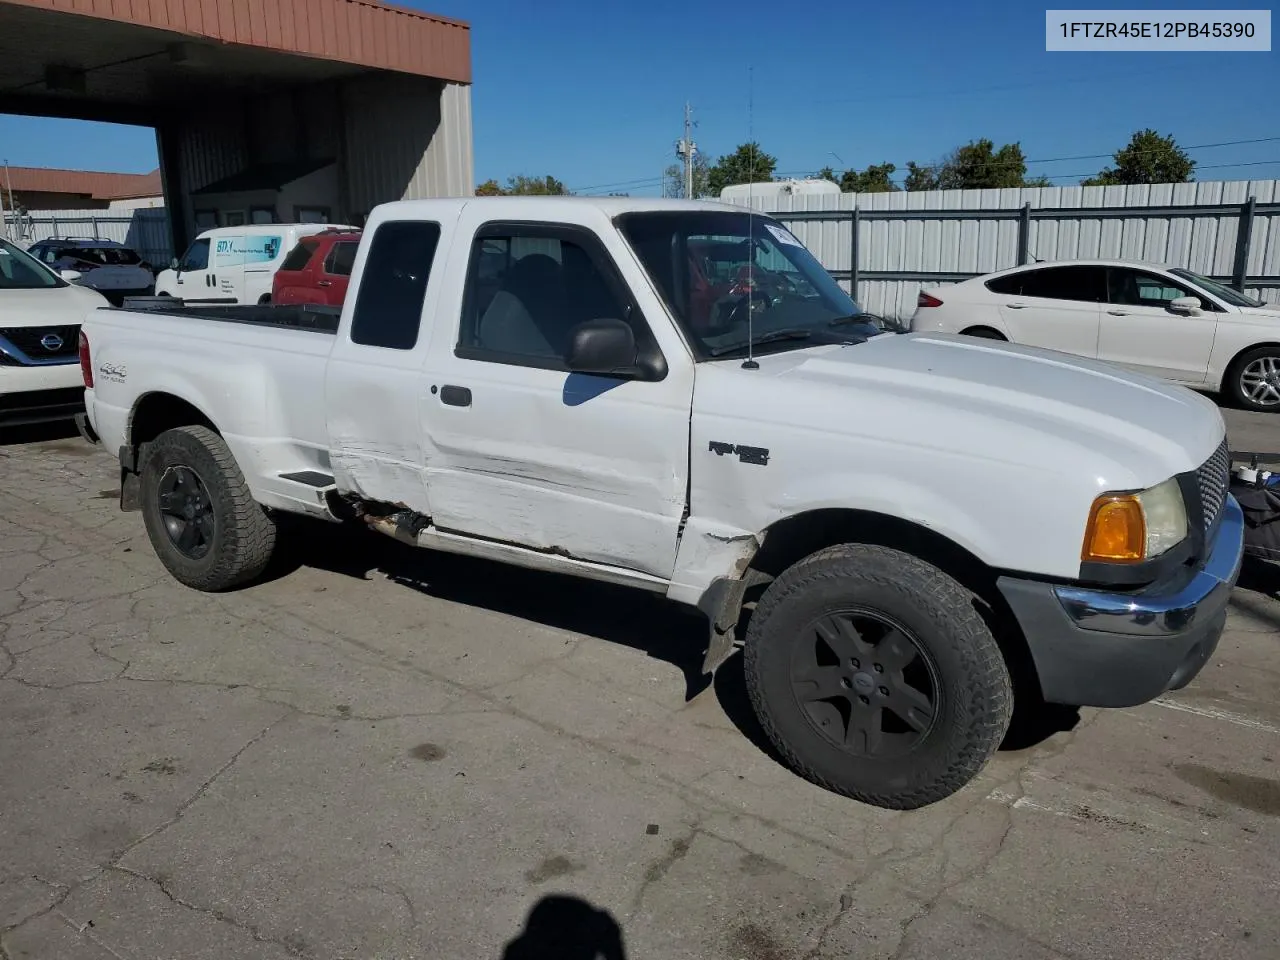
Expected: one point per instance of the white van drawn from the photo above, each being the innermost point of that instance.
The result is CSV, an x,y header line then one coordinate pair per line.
x,y
233,264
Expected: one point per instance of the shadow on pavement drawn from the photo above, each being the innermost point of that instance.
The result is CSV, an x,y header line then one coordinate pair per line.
x,y
646,622
41,433
643,621
562,927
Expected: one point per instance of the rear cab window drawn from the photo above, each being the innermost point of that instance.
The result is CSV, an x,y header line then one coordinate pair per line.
x,y
389,301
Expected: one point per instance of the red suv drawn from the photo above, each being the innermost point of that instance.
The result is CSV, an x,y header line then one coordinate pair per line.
x,y
317,270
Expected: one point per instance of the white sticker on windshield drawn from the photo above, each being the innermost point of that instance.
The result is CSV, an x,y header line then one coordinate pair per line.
x,y
782,236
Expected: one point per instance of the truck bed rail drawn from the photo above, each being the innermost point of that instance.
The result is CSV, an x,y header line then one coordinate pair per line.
x,y
313,317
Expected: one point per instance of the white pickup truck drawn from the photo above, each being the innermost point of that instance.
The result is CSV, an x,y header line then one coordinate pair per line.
x,y
907,532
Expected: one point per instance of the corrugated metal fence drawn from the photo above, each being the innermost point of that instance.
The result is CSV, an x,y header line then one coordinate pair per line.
x,y
145,230
895,244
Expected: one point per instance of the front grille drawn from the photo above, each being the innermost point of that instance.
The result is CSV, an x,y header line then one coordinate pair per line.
x,y
1212,478
28,340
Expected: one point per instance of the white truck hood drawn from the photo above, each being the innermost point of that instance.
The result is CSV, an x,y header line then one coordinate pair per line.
x,y
48,307
1033,408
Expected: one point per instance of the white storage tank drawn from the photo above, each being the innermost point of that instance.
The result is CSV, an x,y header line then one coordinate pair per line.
x,y
780,188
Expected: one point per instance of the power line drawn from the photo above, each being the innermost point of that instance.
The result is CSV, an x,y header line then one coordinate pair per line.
x,y
1003,164
952,92
998,164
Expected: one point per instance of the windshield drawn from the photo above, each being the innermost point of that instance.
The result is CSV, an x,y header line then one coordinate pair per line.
x,y
724,274
1233,297
20,271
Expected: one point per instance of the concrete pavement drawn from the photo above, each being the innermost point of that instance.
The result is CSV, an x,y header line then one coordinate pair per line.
x,y
385,753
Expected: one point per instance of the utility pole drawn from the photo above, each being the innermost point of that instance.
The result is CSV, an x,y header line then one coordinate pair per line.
x,y
4,220
686,149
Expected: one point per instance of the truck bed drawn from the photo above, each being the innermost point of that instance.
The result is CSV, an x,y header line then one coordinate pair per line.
x,y
313,317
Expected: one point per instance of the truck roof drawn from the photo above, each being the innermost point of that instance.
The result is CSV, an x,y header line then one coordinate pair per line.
x,y
548,205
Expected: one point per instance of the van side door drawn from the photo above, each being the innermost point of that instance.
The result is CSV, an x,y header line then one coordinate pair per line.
x,y
225,279
263,254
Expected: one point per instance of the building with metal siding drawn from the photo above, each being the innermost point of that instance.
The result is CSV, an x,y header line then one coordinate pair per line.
x,y
365,102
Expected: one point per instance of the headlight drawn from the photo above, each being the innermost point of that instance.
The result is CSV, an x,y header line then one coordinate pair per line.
x,y
1132,527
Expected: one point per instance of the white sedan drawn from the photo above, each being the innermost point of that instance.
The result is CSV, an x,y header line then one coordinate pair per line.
x,y
40,315
1158,320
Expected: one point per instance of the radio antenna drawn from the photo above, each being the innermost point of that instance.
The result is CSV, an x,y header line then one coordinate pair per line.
x,y
750,363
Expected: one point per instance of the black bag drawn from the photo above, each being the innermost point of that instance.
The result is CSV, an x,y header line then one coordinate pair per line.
x,y
1260,503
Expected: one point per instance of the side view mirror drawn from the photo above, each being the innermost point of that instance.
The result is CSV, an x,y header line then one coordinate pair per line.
x,y
71,276
1186,305
173,263
603,347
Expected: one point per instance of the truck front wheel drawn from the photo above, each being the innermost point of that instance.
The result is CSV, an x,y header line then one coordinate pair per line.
x,y
201,518
874,676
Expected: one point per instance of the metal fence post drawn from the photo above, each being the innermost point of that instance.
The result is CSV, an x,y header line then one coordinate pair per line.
x,y
95,229
853,253
1244,234
1024,234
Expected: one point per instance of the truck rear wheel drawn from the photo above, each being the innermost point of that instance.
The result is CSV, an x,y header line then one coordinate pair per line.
x,y
874,676
203,522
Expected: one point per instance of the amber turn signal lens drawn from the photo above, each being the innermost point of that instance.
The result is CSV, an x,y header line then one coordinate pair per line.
x,y
1117,531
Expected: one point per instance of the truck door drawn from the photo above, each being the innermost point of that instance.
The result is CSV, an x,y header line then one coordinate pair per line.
x,y
375,389
518,449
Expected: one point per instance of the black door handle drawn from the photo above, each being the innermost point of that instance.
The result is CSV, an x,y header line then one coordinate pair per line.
x,y
455,396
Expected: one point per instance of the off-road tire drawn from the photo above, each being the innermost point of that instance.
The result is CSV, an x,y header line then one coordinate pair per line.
x,y
975,694
244,536
1235,389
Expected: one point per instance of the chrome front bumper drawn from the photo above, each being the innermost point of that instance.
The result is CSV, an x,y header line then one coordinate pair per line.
x,y
1106,648
1166,613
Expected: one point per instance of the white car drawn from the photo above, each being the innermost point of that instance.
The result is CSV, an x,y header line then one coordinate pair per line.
x,y
111,268
1158,320
552,382
234,264
40,315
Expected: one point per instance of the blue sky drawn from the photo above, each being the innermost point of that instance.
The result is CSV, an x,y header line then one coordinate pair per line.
x,y
593,92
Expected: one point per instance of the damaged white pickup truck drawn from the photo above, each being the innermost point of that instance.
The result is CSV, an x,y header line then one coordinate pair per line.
x,y
906,531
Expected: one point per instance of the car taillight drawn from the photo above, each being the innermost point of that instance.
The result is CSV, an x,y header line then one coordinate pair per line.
x,y
86,361
925,300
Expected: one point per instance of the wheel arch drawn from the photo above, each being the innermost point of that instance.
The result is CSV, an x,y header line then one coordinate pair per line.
x,y
984,330
790,539
1232,365
156,411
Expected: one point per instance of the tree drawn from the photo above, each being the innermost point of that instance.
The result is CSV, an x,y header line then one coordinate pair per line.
x,y
523,186
976,165
1149,158
877,178
747,164
921,177
673,179
535,186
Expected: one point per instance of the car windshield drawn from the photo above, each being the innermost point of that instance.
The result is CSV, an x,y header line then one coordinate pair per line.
x,y
20,271
736,280
1233,297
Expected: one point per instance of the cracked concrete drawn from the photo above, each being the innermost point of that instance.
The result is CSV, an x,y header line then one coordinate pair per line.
x,y
382,753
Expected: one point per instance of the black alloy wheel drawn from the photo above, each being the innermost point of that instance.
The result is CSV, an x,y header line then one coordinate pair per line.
x,y
865,683
186,511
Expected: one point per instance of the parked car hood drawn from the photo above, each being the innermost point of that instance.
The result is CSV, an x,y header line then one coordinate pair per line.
x,y
49,306
1034,409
